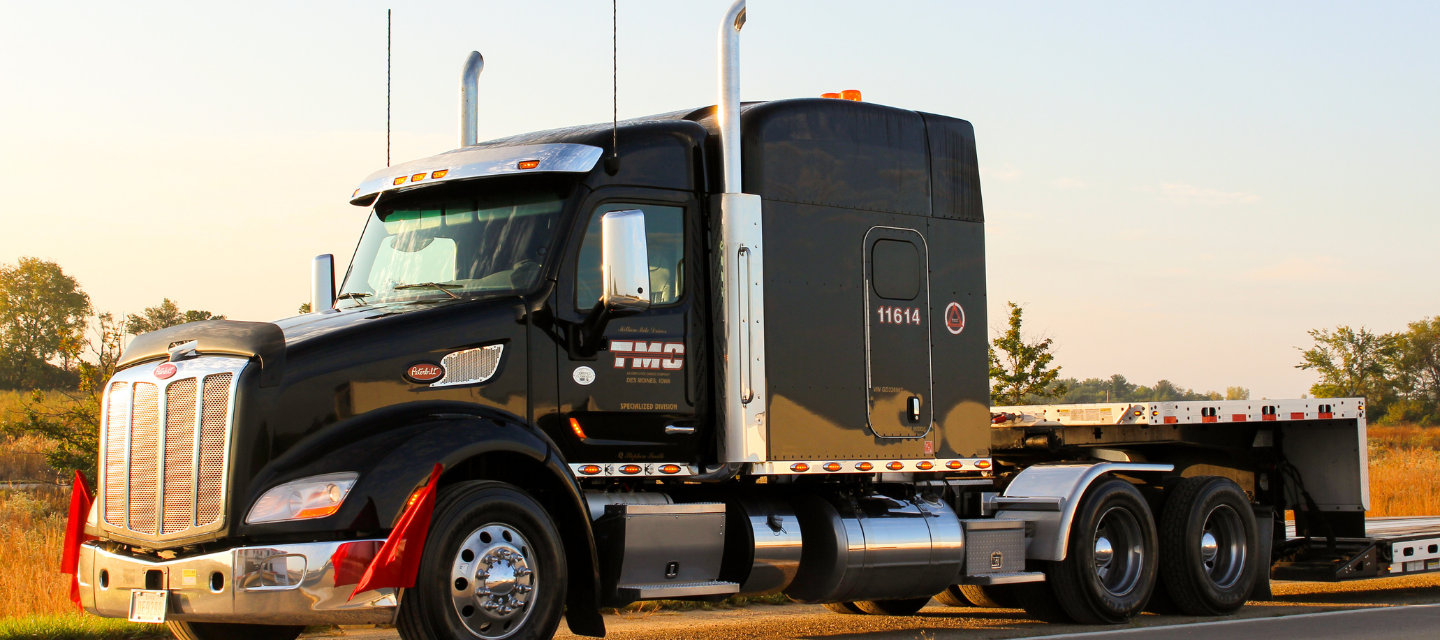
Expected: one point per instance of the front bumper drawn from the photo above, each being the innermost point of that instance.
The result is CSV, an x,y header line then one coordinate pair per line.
x,y
290,584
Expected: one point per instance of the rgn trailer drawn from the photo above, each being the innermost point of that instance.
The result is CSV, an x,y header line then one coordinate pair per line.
x,y
740,350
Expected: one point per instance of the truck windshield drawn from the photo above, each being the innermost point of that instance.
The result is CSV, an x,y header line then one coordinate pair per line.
x,y
454,246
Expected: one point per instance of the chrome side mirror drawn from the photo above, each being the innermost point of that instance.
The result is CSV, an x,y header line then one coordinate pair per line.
x,y
322,283
624,261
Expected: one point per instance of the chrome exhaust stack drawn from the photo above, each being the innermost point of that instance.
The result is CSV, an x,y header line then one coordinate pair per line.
x,y
469,94
742,342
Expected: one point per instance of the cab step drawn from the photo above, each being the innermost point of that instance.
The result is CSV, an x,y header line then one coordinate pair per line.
x,y
678,590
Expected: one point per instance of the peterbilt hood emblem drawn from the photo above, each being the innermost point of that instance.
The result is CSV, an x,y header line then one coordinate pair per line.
x,y
165,370
424,372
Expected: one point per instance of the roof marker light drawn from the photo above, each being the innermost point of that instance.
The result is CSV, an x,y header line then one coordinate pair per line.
x,y
850,94
417,177
832,96
528,164
436,175
399,181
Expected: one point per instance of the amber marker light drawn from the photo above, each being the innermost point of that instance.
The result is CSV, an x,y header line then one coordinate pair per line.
x,y
925,465
864,466
324,511
832,466
983,464
575,426
399,181
417,177
670,469
528,164
590,469
850,94
630,469
799,467
357,192
953,464
439,174
894,466
832,96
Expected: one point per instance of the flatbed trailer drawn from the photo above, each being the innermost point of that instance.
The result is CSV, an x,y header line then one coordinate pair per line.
x,y
1308,456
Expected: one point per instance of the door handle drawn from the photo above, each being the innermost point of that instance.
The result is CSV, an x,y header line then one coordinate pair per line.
x,y
913,404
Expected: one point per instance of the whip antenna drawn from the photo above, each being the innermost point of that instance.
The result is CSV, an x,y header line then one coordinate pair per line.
x,y
612,164
387,87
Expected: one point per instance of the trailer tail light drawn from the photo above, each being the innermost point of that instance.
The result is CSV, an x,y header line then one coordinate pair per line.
x,y
894,466
832,466
864,466
575,426
982,464
590,469
953,464
630,469
528,164
670,469
417,177
799,467
436,175
925,465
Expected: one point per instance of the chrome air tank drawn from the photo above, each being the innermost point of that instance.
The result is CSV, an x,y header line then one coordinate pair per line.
x,y
874,547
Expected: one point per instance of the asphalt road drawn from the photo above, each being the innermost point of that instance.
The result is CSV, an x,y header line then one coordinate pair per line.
x,y
1392,609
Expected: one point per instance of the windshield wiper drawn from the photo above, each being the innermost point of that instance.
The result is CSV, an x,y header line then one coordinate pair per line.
x,y
353,295
445,287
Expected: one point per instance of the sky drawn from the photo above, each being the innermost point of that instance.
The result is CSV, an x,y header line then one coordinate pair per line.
x,y
1175,191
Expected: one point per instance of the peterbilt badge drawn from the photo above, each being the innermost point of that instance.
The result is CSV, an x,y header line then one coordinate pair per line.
x,y
164,371
424,372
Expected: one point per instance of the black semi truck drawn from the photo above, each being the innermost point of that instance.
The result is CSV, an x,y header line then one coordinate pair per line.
x,y
729,350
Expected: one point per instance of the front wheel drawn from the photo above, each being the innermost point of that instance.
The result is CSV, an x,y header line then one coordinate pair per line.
x,y
493,568
1109,570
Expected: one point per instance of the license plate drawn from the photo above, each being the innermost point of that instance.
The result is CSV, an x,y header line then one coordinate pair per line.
x,y
148,606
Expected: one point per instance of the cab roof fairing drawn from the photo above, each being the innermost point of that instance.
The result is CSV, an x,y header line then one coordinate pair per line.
x,y
473,162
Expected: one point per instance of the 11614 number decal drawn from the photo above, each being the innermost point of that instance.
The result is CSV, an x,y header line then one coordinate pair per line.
x,y
899,315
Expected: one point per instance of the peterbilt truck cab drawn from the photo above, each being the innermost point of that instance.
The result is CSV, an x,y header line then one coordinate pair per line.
x,y
733,349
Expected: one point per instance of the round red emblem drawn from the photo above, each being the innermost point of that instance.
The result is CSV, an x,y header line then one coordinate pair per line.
x,y
955,318
164,371
424,372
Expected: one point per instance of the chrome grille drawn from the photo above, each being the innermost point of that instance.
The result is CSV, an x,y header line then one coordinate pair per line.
x,y
470,366
179,456
166,449
144,458
212,447
117,431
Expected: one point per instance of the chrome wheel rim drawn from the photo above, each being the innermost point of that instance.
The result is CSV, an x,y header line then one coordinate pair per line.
x,y
493,581
1119,551
1222,546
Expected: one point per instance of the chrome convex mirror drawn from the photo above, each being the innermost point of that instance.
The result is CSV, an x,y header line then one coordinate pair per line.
x,y
624,261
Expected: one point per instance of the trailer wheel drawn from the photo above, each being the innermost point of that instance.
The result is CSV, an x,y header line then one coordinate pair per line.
x,y
905,607
1207,546
843,608
987,597
1109,571
493,568
185,630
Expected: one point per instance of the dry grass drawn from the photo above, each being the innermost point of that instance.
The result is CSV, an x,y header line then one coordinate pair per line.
x,y
32,531
1404,471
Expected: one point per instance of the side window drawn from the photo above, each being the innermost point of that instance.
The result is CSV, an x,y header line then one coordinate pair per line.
x,y
665,239
895,269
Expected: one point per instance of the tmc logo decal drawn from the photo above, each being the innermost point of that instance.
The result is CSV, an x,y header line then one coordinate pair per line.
x,y
666,356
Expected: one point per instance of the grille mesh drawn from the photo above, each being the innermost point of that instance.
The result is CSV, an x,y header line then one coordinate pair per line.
x,y
212,447
117,428
144,458
179,455
470,365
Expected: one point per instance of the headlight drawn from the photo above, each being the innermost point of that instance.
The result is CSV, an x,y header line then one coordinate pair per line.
x,y
303,499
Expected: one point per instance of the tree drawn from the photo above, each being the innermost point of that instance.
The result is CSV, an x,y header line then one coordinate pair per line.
x,y
304,308
1417,375
165,314
73,424
42,320
1352,363
1237,393
1024,370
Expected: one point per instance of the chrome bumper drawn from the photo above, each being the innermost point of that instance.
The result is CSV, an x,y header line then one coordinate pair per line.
x,y
282,584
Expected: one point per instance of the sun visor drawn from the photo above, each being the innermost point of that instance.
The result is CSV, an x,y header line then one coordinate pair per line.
x,y
461,164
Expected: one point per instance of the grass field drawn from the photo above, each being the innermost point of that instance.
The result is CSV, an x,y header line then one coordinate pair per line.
x,y
34,596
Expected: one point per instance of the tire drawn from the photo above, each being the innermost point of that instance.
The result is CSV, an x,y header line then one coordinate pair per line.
x,y
493,568
1208,546
185,630
905,607
987,597
843,608
1109,572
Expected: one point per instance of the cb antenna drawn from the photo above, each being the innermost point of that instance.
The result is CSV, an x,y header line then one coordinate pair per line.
x,y
612,164
387,87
